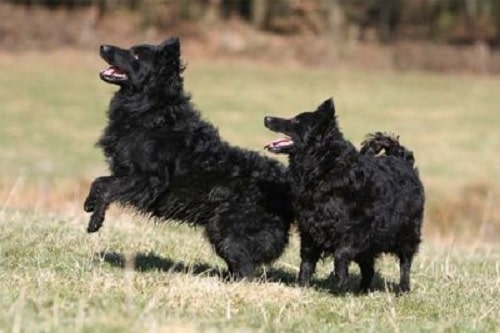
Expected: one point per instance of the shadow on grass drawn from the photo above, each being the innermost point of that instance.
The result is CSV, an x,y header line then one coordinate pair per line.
x,y
144,262
379,284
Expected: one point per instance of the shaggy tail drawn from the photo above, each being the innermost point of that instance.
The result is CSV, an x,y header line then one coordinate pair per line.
x,y
375,142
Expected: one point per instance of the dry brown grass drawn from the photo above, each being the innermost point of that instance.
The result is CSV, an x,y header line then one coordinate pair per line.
x,y
470,213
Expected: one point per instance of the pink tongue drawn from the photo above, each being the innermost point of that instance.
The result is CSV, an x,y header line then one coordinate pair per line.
x,y
280,142
113,70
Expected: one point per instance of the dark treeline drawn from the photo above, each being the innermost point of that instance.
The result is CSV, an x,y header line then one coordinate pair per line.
x,y
453,21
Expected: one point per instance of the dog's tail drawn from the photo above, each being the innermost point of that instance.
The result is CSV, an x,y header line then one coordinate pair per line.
x,y
375,142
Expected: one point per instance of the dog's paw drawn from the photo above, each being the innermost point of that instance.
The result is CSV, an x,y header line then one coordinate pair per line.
x,y
303,282
339,286
401,290
305,273
91,228
363,290
95,224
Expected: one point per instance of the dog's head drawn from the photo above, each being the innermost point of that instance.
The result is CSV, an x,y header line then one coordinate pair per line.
x,y
302,130
143,67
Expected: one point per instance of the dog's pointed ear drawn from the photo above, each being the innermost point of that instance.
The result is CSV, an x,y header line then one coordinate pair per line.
x,y
327,108
171,46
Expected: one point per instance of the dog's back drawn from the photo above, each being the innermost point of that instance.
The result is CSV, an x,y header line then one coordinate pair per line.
x,y
380,193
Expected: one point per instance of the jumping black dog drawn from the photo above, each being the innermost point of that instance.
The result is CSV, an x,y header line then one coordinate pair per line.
x,y
170,164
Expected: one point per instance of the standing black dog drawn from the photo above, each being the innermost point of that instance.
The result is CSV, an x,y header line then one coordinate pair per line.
x,y
168,163
352,205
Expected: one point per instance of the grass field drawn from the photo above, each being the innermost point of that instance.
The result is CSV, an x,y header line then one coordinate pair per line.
x,y
57,278
136,276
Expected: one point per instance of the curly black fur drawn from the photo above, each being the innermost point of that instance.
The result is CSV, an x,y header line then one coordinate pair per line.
x,y
349,204
168,163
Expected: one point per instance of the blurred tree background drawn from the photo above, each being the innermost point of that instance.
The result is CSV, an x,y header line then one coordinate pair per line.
x,y
436,35
451,21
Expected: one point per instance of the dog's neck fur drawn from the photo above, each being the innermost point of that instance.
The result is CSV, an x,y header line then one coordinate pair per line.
x,y
327,152
138,111
128,103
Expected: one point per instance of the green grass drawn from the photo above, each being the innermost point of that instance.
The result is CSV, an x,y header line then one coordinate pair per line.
x,y
55,277
54,110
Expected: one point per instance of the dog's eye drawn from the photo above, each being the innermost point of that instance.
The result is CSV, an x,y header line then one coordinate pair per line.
x,y
135,54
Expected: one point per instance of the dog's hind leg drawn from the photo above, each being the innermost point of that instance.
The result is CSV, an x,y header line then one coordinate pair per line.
x,y
245,236
226,233
342,258
236,255
309,255
239,269
367,272
407,248
405,260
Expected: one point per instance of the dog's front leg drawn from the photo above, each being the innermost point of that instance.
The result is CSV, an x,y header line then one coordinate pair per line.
x,y
104,191
98,202
309,255
98,186
136,191
97,217
341,273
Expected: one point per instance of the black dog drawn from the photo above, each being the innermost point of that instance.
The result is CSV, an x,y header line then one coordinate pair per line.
x,y
352,205
168,163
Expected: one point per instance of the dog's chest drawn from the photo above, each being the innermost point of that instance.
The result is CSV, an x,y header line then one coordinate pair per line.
x,y
320,230
316,212
127,151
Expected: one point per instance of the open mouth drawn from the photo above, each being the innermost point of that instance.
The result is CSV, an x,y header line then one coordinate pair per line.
x,y
114,74
281,145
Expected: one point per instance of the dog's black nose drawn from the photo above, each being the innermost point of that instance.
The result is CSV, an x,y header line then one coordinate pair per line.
x,y
267,120
105,48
